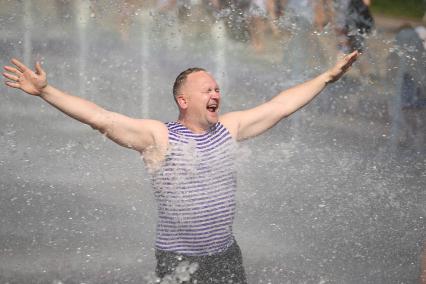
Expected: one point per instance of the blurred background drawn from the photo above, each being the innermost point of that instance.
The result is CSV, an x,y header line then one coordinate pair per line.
x,y
333,194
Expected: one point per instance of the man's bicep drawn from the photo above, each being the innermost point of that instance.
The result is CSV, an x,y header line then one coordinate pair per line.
x,y
137,134
255,121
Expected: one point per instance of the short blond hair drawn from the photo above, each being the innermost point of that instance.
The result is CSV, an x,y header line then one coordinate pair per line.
x,y
181,79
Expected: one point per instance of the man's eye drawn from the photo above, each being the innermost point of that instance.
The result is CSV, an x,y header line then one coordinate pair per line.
x,y
209,91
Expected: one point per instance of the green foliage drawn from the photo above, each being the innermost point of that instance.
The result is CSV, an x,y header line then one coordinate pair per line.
x,y
400,8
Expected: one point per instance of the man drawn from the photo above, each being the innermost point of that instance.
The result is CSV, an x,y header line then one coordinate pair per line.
x,y
191,161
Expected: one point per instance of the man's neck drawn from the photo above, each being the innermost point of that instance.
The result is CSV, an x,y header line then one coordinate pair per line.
x,y
194,127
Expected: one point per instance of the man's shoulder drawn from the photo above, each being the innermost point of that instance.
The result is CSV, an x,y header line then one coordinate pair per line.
x,y
158,129
230,122
153,123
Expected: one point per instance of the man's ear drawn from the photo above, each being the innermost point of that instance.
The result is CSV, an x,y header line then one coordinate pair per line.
x,y
182,101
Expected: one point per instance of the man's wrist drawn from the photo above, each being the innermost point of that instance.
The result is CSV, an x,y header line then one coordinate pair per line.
x,y
327,77
44,90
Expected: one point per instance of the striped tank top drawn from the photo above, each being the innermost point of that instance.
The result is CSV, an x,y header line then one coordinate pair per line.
x,y
195,191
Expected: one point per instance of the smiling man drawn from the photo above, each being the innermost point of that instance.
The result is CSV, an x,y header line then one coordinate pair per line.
x,y
191,160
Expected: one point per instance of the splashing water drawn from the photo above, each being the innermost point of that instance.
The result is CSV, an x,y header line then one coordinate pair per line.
x,y
332,195
181,274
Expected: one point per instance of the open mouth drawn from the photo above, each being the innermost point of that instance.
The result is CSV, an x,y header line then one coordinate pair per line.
x,y
212,107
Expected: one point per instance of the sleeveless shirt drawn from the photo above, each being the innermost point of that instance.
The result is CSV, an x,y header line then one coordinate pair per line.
x,y
195,191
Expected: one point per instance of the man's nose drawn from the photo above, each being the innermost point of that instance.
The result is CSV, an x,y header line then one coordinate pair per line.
x,y
216,94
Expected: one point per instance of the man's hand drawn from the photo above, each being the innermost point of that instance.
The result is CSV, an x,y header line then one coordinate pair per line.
x,y
25,79
341,67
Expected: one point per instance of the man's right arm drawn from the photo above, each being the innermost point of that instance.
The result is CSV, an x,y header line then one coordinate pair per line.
x,y
137,134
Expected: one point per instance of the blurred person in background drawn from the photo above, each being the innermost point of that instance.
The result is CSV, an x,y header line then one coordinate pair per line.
x,y
316,14
274,8
257,15
323,10
302,11
406,78
353,23
304,48
262,19
187,17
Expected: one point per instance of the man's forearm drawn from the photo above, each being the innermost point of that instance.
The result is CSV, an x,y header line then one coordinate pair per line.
x,y
75,107
299,95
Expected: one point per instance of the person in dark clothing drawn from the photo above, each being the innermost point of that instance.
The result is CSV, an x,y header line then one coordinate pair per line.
x,y
353,22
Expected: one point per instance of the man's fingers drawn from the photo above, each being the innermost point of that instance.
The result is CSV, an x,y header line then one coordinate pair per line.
x,y
12,70
352,56
12,84
38,68
11,77
349,59
353,53
350,62
20,65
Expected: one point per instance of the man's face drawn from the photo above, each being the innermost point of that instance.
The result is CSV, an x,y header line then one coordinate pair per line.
x,y
202,96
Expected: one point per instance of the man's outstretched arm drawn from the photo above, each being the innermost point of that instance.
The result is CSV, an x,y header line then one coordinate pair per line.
x,y
252,122
132,133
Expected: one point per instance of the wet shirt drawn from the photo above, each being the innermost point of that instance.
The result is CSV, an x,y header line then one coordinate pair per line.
x,y
195,191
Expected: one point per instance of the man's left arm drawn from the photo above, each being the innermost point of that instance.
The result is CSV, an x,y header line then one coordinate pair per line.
x,y
255,121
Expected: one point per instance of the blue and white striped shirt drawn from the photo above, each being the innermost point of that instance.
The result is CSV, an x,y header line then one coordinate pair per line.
x,y
195,191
